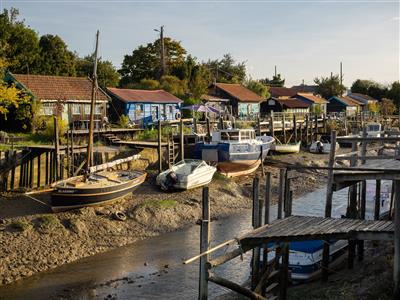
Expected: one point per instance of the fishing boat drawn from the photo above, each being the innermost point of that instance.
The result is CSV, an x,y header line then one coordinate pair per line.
x,y
186,174
323,145
235,151
373,129
100,184
286,148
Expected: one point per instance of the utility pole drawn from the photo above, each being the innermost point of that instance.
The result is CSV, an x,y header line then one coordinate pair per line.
x,y
162,50
275,71
341,77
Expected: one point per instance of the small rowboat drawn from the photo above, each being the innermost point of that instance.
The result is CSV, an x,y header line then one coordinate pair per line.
x,y
186,174
286,148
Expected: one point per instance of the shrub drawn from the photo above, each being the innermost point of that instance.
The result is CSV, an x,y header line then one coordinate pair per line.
x,y
48,133
123,121
21,225
48,222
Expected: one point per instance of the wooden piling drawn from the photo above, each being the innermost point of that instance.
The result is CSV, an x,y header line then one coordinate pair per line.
x,y
328,205
377,200
256,222
38,169
159,149
182,143
47,168
56,149
283,128
267,204
396,260
271,124
31,171
316,127
295,128
208,129
12,180
204,244
284,272
281,191
307,125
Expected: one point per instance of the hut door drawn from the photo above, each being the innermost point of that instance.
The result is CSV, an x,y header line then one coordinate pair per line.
x,y
154,112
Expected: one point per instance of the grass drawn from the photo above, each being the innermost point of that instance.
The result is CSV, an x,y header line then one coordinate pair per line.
x,y
48,222
219,176
167,203
21,225
152,133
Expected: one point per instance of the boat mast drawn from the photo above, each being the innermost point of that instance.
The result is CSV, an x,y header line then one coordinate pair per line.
x,y
89,161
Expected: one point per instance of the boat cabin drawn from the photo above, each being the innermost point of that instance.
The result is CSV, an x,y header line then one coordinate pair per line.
x,y
233,135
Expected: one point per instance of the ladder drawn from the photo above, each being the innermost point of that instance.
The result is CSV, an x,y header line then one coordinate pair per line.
x,y
171,151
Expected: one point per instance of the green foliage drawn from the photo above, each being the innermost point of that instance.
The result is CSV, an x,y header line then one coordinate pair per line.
x,y
107,74
258,88
173,85
227,69
373,107
48,222
276,81
55,58
387,107
123,121
21,225
369,87
316,109
328,87
394,93
245,124
147,84
48,133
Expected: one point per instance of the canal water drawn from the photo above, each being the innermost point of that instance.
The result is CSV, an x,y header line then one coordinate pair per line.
x,y
153,269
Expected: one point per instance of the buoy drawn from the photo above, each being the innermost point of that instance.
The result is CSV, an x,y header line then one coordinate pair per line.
x,y
119,215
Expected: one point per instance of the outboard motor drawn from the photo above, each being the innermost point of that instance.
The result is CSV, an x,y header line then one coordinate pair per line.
x,y
320,147
170,179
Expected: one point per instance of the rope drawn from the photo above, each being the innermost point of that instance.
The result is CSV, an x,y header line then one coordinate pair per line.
x,y
37,200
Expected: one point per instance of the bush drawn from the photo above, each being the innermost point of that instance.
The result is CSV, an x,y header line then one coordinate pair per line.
x,y
48,222
123,121
21,225
48,133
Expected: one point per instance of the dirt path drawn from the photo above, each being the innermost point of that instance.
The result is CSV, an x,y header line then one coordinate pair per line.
x,y
32,239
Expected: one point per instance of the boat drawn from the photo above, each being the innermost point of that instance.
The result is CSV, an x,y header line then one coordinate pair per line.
x,y
186,174
100,184
373,129
323,145
235,151
305,258
286,148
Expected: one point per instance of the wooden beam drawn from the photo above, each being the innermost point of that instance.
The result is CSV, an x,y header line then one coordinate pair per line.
x,y
281,191
204,244
396,261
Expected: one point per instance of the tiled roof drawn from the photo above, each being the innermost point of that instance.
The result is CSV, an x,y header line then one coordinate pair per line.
x,y
292,103
239,92
362,97
313,98
59,87
282,92
152,96
212,98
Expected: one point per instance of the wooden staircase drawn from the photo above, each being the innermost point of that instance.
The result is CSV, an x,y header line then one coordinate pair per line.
x,y
111,138
172,154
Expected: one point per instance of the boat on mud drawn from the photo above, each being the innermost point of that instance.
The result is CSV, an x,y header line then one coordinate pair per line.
x,y
373,129
323,145
235,151
186,174
286,148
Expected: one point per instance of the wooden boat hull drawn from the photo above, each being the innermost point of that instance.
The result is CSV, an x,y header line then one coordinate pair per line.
x,y
238,168
286,148
71,198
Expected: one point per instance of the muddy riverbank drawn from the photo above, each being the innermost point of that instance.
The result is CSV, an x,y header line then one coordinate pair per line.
x,y
33,240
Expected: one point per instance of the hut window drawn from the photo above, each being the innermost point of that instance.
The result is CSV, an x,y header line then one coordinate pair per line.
x,y
171,109
76,109
139,108
87,109
47,109
97,109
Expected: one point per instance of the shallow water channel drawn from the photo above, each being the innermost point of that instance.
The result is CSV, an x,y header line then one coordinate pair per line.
x,y
152,269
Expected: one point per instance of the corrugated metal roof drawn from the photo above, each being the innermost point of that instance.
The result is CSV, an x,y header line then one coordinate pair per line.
x,y
313,98
239,92
152,96
62,88
348,101
292,103
282,92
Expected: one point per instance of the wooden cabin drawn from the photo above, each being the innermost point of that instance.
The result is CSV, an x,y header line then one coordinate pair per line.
x,y
364,99
291,105
68,98
144,107
242,102
344,104
318,104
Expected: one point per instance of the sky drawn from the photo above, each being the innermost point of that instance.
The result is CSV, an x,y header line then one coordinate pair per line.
x,y
304,39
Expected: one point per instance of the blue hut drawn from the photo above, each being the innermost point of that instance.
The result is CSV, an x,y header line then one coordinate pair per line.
x,y
144,107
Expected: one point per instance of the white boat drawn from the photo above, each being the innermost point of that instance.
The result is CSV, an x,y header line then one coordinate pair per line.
x,y
323,145
286,148
186,174
373,129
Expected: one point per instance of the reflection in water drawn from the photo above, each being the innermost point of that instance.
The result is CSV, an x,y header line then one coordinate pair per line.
x,y
152,269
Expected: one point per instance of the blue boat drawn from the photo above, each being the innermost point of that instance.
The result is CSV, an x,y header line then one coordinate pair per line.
x,y
235,151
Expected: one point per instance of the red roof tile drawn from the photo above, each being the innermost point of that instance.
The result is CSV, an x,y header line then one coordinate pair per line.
x,y
313,98
59,87
153,96
293,103
239,92
282,92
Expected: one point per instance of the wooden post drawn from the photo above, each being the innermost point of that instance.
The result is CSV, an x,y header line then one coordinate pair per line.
x,y
258,125
182,143
14,157
204,244
396,260
324,123
47,168
267,204
377,200
68,153
31,171
271,124
51,170
194,124
72,152
281,190
295,128
286,194
56,149
360,244
256,222
284,272
159,147
328,204
307,125
38,170
208,129
283,128
316,127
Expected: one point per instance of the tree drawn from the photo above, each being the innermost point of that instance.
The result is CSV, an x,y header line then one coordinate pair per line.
x,y
107,74
329,86
145,61
387,107
55,58
276,81
258,88
173,85
373,107
227,69
19,45
394,93
369,87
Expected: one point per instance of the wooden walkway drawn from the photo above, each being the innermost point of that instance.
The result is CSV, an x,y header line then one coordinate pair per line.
x,y
140,144
300,228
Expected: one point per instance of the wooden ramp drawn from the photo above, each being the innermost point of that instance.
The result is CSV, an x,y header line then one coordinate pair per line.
x,y
300,228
